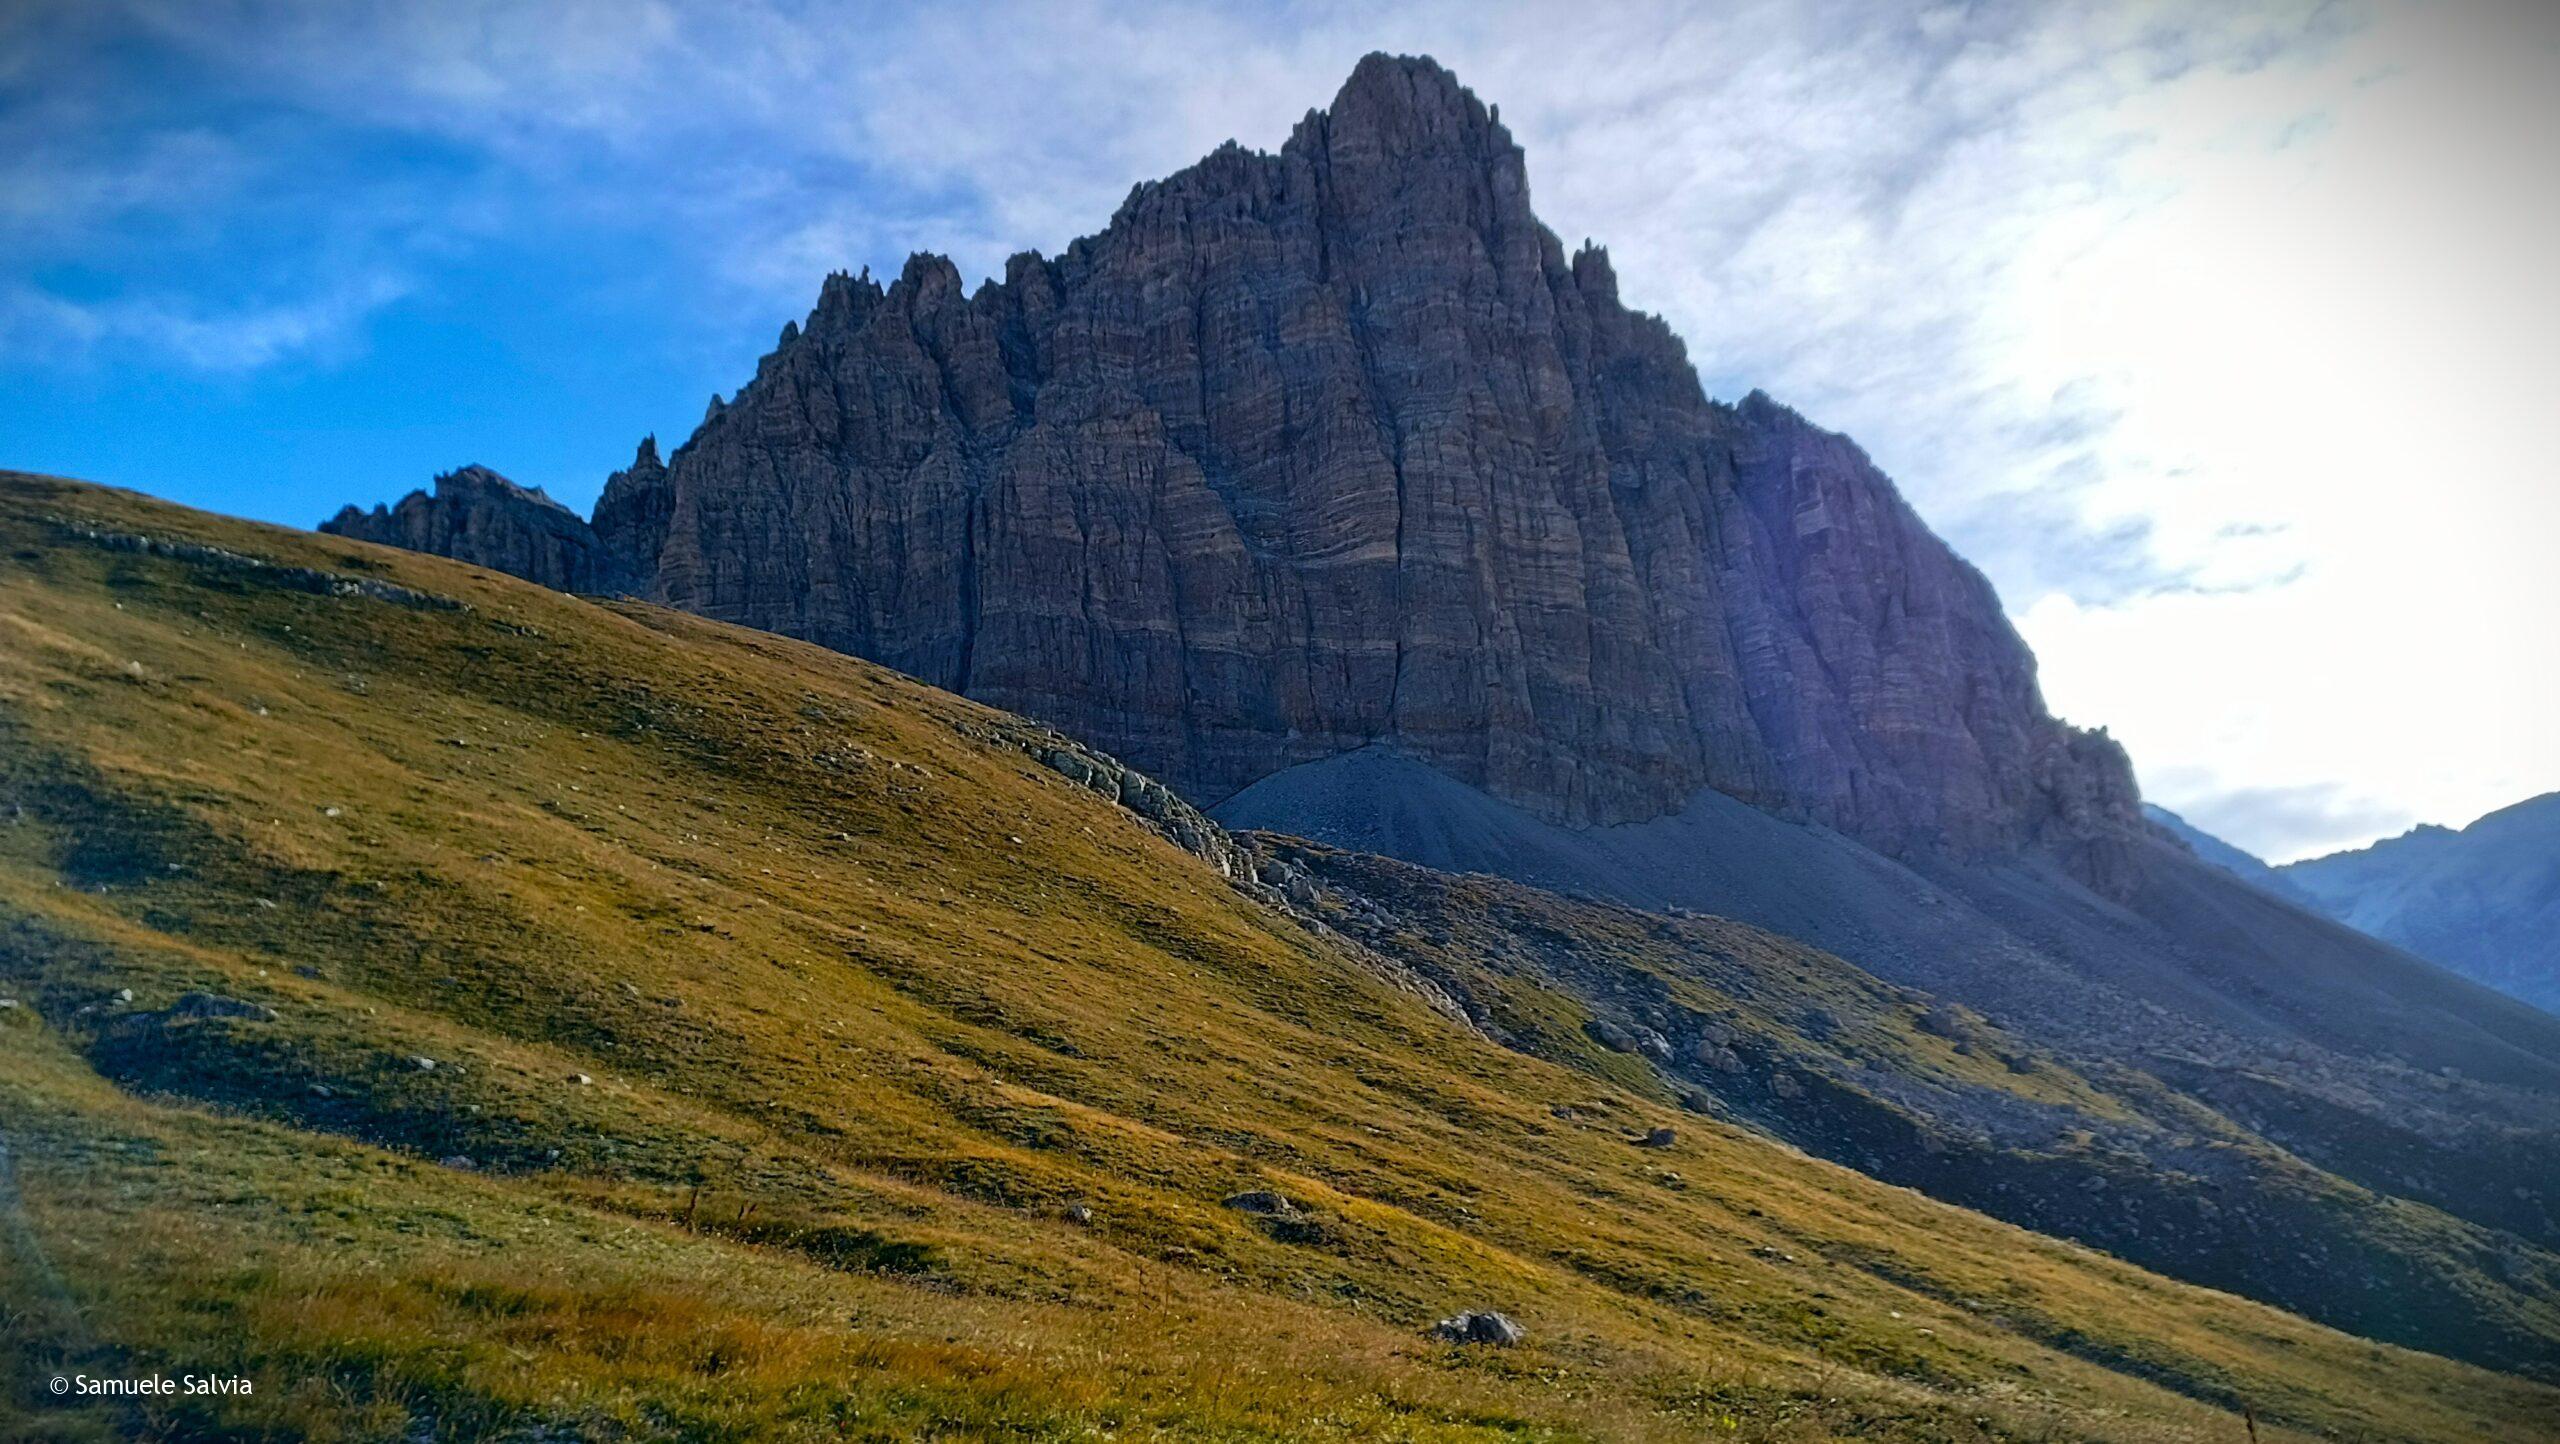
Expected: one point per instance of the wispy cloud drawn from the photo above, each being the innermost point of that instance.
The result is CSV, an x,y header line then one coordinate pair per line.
x,y
237,339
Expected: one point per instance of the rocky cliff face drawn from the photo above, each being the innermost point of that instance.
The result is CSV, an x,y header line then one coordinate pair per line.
x,y
482,517
1338,446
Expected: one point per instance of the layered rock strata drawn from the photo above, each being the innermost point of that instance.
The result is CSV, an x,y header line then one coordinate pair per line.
x,y
1335,447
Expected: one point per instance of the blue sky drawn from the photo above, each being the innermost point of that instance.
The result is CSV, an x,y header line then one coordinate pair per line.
x,y
2223,336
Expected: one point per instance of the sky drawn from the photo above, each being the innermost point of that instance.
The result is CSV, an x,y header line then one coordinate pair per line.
x,y
2224,337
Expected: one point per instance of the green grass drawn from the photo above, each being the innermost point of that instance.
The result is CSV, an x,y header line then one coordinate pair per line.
x,y
854,1051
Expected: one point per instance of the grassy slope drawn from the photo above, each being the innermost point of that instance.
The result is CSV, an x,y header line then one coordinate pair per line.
x,y
866,1004
1938,1098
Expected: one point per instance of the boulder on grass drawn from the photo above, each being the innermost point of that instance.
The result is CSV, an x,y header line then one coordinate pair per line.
x,y
1610,1036
1479,1326
1262,1202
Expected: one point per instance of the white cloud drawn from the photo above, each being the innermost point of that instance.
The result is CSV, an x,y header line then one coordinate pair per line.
x,y
2353,339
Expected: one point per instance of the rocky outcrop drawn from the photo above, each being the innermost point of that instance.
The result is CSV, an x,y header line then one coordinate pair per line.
x,y
1339,447
256,571
482,517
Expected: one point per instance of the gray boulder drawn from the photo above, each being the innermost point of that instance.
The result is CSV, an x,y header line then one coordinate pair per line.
x,y
1610,1036
1262,1203
1479,1327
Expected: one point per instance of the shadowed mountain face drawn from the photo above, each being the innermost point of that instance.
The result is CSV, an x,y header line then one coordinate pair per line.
x,y
2188,962
1334,447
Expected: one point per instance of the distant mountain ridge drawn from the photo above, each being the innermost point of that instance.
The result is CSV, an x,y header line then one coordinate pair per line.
x,y
2244,865
2482,901
1339,447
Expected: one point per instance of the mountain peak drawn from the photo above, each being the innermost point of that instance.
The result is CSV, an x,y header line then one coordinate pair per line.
x,y
1338,448
1408,98
1397,111
479,515
475,478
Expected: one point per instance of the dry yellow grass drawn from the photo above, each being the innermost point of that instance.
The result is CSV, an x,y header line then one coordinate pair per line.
x,y
866,1002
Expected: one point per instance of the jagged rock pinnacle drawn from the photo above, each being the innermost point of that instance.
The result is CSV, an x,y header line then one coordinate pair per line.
x,y
1336,447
